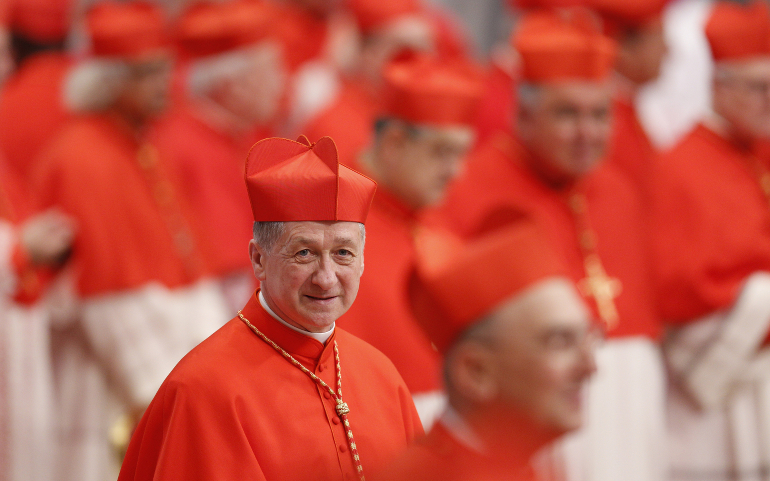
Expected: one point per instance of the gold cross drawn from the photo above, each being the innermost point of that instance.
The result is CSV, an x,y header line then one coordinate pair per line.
x,y
603,288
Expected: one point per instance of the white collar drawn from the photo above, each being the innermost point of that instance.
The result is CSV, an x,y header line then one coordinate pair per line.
x,y
321,337
460,430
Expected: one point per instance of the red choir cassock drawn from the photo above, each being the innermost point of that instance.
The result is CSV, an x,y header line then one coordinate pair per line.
x,y
31,102
235,407
428,92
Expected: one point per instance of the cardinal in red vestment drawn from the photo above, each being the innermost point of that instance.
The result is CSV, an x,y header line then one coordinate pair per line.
x,y
517,340
711,214
552,168
280,392
419,146
137,273
234,78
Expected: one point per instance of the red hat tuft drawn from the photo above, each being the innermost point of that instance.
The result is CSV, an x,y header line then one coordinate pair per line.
x,y
737,31
563,46
372,14
44,21
299,181
424,89
455,284
131,29
213,28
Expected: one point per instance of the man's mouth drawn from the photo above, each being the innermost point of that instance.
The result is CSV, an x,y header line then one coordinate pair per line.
x,y
320,298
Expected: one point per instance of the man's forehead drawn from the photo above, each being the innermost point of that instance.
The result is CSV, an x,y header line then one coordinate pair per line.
x,y
456,134
575,89
315,231
550,303
751,67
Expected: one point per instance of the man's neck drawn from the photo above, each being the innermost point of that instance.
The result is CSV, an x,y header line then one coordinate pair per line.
x,y
321,337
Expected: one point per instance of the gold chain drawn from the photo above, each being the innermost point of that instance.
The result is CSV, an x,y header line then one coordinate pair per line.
x,y
342,407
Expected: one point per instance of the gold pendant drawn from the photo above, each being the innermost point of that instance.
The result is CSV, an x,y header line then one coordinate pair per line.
x,y
342,408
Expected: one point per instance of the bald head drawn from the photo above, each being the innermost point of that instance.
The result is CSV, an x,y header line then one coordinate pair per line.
x,y
529,358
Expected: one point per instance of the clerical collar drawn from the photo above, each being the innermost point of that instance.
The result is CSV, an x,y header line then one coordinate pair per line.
x,y
321,337
461,431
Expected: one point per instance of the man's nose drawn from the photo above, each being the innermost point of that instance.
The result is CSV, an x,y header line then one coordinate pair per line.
x,y
325,275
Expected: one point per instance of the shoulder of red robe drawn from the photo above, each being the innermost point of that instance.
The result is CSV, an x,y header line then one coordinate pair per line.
x,y
302,181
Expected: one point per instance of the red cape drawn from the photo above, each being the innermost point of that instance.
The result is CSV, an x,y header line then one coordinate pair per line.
x,y
234,408
497,187
32,110
711,222
206,167
131,228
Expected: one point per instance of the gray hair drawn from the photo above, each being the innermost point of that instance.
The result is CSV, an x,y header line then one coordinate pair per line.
x,y
266,234
207,73
94,85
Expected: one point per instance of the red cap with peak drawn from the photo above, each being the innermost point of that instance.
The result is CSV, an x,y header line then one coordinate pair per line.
x,y
130,29
424,89
455,284
299,181
738,31
566,45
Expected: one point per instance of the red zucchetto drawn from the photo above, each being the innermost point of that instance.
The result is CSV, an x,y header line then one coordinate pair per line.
x,y
373,14
739,31
212,28
130,29
299,181
566,45
424,89
455,284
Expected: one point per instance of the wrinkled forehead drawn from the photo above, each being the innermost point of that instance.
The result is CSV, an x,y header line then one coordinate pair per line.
x,y
322,233
568,91
456,134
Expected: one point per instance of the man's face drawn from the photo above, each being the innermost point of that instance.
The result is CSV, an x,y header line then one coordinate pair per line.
x,y
255,94
543,348
310,277
423,161
567,126
147,91
642,52
742,97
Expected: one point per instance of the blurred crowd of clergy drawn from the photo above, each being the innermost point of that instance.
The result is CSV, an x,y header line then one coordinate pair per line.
x,y
606,166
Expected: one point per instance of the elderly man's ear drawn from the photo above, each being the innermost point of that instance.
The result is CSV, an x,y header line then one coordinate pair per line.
x,y
472,371
257,257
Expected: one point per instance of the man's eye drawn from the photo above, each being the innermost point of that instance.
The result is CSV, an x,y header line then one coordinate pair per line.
x,y
344,252
304,252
